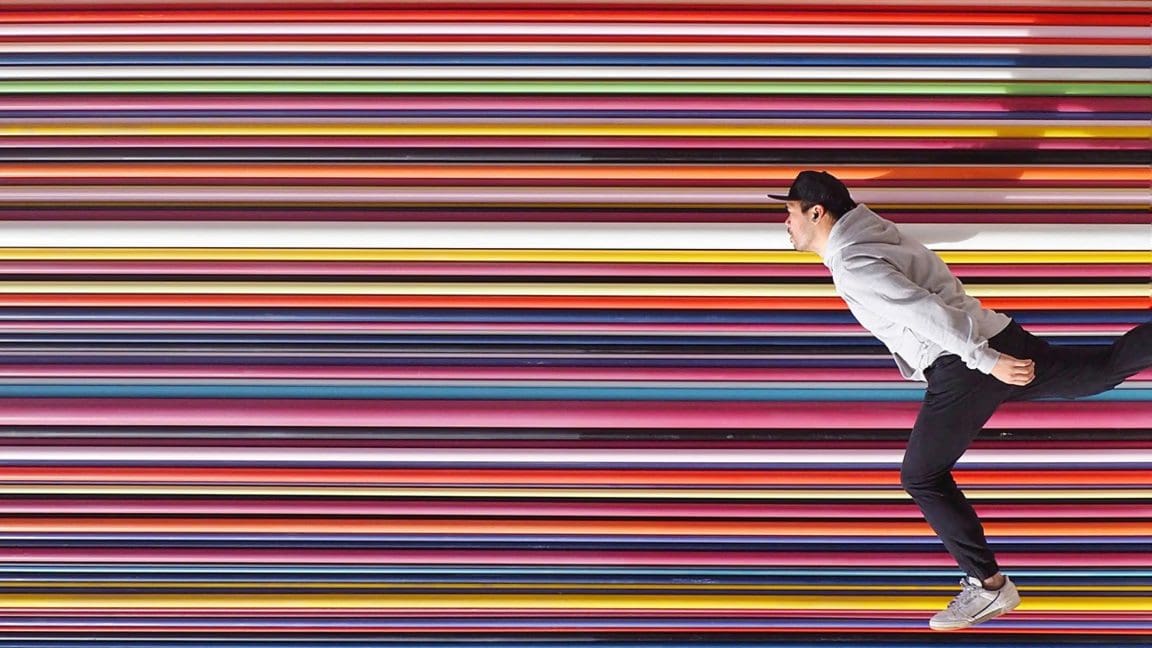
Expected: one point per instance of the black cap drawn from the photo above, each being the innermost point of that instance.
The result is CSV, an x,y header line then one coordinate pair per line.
x,y
819,187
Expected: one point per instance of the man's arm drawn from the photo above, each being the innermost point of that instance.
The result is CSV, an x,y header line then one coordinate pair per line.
x,y
880,288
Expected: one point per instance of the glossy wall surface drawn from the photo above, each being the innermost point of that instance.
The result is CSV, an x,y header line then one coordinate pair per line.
x,y
469,323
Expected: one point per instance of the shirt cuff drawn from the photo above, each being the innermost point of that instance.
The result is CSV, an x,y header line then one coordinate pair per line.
x,y
986,359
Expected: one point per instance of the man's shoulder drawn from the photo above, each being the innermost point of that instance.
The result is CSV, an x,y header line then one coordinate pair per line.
x,y
866,253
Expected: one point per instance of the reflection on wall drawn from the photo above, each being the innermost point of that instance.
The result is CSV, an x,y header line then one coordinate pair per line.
x,y
432,323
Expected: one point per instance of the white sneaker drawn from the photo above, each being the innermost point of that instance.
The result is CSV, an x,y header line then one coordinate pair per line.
x,y
975,605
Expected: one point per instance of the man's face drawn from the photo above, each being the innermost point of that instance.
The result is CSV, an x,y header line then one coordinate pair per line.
x,y
801,229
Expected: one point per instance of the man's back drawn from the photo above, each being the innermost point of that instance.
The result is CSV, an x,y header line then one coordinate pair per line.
x,y
906,296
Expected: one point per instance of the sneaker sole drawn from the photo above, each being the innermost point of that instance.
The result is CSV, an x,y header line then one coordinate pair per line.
x,y
975,622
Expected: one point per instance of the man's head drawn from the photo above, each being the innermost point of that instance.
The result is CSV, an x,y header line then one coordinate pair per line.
x,y
815,200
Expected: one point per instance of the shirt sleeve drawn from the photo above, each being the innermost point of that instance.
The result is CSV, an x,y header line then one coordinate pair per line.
x,y
885,291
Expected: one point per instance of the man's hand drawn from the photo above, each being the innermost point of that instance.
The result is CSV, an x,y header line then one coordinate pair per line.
x,y
1014,371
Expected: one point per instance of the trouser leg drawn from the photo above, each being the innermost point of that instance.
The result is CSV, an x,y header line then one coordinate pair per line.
x,y
1078,371
957,404
959,401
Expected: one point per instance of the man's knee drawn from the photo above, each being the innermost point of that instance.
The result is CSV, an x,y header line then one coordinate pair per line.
x,y
917,481
1134,348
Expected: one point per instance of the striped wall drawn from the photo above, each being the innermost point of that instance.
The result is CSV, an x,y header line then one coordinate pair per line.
x,y
447,324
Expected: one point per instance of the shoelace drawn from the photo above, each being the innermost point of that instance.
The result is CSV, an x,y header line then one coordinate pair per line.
x,y
968,591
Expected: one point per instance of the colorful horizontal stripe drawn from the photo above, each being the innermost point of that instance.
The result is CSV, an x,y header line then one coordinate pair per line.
x,y
435,324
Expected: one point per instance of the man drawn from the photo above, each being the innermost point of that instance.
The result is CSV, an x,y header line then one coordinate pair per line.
x,y
973,359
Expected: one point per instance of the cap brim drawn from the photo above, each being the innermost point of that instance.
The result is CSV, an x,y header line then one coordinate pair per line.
x,y
779,197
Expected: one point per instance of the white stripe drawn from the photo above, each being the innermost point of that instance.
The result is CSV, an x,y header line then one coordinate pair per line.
x,y
644,236
50,72
581,29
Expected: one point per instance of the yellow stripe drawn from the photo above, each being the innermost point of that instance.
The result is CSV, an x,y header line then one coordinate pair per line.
x,y
1134,131
605,493
535,255
548,601
531,289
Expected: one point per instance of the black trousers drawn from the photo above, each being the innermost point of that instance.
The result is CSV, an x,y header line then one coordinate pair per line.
x,y
959,401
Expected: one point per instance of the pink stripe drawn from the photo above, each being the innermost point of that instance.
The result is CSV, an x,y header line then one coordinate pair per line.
x,y
550,414
427,613
527,508
438,373
577,142
471,269
1099,329
87,555
558,269
798,375
390,214
1047,270
556,183
367,327
484,329
456,615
